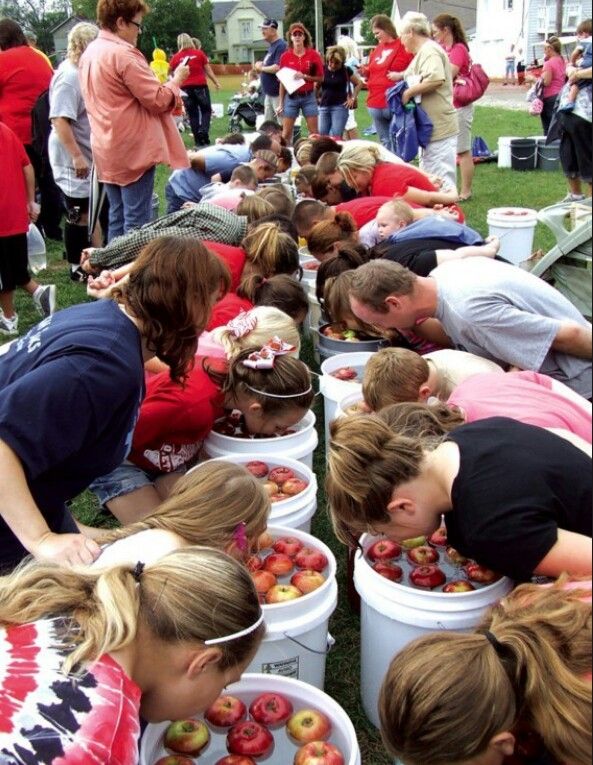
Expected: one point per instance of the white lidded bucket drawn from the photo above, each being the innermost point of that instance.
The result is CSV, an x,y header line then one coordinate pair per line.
x,y
299,445
349,401
295,512
309,274
298,640
393,615
504,150
335,390
301,695
515,227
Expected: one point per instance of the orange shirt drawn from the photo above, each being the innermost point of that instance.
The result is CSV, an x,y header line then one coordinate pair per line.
x,y
129,111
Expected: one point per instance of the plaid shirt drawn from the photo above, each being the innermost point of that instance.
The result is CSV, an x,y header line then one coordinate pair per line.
x,y
205,221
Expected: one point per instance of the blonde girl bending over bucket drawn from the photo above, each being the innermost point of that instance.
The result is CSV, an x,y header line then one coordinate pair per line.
x,y
84,653
529,664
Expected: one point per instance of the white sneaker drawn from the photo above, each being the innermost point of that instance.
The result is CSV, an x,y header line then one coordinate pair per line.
x,y
9,327
44,298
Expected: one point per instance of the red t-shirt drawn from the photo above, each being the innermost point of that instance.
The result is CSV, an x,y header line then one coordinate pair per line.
x,y
14,218
234,257
227,309
197,61
174,420
363,209
387,57
309,63
24,75
392,180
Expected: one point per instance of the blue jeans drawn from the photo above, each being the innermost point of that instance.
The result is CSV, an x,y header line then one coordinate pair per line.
x,y
332,120
130,206
174,201
305,102
382,120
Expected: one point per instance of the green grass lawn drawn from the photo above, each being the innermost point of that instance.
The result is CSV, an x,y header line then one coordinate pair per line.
x,y
492,188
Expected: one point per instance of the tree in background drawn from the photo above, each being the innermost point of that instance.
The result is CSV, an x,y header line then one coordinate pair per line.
x,y
38,16
373,8
169,18
334,13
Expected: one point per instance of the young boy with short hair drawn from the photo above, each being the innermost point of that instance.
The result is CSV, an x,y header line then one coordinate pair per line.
x,y
17,209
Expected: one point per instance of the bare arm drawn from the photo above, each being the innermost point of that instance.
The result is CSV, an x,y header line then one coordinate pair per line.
x,y
32,205
571,554
26,522
66,137
575,340
357,82
211,76
430,198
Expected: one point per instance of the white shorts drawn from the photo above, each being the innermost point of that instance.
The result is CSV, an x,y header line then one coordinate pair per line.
x,y
465,116
440,159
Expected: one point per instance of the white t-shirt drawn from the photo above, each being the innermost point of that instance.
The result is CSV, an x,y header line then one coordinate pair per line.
x,y
508,315
455,367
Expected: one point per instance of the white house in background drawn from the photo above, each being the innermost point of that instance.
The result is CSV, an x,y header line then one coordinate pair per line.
x,y
351,28
525,23
237,28
465,10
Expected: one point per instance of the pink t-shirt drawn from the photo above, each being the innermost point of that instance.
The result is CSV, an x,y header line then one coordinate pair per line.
x,y
525,396
557,66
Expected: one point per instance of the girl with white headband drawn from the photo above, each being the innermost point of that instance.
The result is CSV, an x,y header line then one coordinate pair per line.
x,y
272,396
84,653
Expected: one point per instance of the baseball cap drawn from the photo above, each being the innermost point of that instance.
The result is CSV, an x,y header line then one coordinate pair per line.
x,y
269,24
268,157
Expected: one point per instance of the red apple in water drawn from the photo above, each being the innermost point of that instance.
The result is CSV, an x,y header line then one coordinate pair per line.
x,y
264,581
294,486
427,577
459,585
481,574
390,571
384,549
345,373
278,497
258,469
279,564
226,712
423,556
309,725
254,563
251,739
319,753
439,538
271,709
280,475
265,541
187,737
307,581
455,557
235,759
288,546
282,593
271,488
174,759
311,559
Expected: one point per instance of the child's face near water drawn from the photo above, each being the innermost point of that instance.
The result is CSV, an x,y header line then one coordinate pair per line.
x,y
388,223
260,423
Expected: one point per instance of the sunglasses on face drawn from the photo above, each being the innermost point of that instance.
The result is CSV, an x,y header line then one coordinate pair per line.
x,y
298,34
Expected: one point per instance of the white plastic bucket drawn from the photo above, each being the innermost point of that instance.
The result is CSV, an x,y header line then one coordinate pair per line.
x,y
298,640
301,695
515,227
295,512
309,274
348,401
504,150
299,445
335,390
392,615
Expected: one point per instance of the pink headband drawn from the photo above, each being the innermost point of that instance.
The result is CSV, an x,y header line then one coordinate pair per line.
x,y
265,358
242,324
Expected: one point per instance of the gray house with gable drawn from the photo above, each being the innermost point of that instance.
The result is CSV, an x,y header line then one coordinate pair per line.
x,y
236,27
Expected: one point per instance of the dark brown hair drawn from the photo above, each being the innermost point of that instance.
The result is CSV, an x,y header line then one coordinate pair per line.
x,y
327,233
322,145
585,27
109,11
171,290
446,21
385,24
347,258
299,25
281,291
11,35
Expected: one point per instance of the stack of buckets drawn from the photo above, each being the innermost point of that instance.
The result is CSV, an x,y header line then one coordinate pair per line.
x,y
529,153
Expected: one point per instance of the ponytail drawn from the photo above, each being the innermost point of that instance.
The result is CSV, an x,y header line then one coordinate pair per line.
x,y
271,252
269,322
446,21
326,233
282,292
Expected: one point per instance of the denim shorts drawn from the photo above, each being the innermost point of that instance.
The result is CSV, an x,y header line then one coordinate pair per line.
x,y
306,102
124,480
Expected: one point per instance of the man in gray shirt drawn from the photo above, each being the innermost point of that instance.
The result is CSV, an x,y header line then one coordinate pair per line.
x,y
485,307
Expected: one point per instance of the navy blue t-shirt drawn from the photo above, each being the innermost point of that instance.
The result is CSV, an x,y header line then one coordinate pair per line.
x,y
335,86
70,391
270,84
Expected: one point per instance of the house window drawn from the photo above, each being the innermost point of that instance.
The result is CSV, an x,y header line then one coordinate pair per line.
x,y
246,30
223,29
543,20
507,5
571,17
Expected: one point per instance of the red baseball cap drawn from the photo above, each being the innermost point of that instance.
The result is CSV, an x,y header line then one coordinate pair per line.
x,y
295,27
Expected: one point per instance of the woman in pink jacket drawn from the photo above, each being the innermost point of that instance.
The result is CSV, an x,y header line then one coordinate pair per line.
x,y
132,129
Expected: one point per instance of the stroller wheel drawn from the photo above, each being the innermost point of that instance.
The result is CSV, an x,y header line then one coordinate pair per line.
x,y
235,126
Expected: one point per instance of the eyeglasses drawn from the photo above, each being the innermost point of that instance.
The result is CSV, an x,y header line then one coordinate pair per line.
x,y
136,24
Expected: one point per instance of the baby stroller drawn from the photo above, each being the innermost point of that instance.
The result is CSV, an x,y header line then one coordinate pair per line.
x,y
244,110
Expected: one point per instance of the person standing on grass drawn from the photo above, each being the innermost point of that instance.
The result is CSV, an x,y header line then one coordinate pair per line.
x,y
70,391
269,66
17,209
338,93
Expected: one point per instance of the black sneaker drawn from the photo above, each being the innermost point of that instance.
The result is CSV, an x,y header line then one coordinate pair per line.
x,y
80,276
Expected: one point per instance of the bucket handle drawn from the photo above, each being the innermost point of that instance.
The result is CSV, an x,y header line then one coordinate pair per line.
x,y
529,156
330,644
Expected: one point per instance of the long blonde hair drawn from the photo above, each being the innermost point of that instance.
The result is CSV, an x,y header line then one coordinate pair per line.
x,y
271,322
534,668
271,251
189,596
184,41
79,38
355,158
193,509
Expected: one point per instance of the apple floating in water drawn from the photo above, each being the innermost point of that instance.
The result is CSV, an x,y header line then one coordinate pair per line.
x,y
187,737
309,725
427,577
388,570
271,709
383,550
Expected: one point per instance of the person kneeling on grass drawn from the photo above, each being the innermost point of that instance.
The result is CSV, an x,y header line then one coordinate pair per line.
x,y
515,497
86,653
526,670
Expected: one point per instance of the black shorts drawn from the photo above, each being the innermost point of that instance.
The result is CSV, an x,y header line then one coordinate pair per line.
x,y
75,208
14,262
575,147
419,255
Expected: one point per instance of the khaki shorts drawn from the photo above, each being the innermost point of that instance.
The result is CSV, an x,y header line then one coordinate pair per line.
x,y
465,116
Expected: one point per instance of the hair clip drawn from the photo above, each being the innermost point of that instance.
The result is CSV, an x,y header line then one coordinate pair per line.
x,y
138,571
242,324
240,538
265,358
